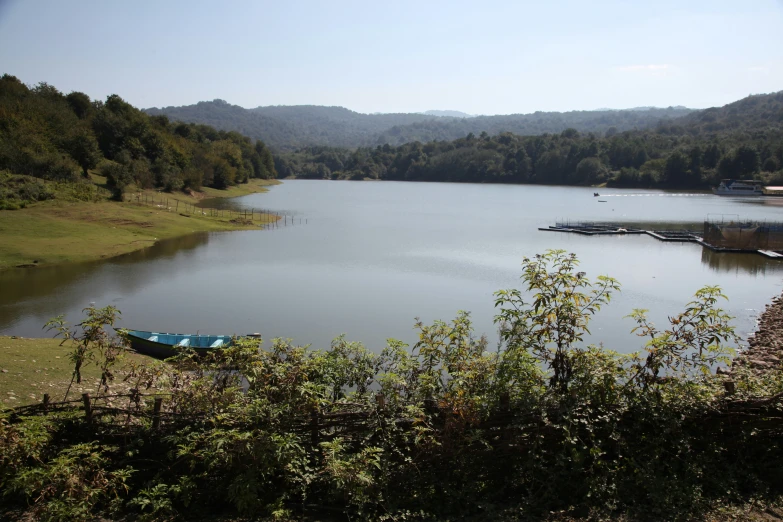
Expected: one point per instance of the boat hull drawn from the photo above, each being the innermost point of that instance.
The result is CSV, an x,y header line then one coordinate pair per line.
x,y
734,193
164,345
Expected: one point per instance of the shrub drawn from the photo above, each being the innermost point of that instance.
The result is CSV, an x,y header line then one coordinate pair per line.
x,y
118,177
18,191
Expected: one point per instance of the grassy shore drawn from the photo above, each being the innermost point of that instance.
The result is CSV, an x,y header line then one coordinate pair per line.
x,y
61,231
31,367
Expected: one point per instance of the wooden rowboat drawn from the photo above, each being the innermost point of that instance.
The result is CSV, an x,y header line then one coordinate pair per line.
x,y
163,345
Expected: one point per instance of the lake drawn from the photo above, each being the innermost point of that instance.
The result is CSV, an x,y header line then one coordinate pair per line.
x,y
375,255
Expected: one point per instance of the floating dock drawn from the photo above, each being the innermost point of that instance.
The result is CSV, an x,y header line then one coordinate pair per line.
x,y
669,235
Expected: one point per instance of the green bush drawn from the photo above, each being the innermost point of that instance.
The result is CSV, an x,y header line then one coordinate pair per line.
x,y
544,427
18,191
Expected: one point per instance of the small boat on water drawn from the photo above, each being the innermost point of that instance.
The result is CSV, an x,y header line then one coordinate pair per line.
x,y
733,187
162,345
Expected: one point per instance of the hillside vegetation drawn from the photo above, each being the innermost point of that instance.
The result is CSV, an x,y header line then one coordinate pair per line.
x,y
48,135
291,127
63,157
741,140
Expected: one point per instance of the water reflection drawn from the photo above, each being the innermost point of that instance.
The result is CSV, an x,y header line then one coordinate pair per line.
x,y
246,203
768,202
753,264
47,291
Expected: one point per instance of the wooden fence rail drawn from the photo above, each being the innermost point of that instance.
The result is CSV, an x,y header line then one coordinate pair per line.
x,y
357,420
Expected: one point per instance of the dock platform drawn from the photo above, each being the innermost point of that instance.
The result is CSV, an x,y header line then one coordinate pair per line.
x,y
670,235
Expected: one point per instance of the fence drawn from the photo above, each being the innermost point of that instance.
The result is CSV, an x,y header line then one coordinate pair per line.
x,y
265,218
99,406
744,235
319,425
358,420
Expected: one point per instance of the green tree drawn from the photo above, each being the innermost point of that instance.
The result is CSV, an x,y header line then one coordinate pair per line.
x,y
118,177
711,156
80,103
267,168
83,147
556,320
747,160
676,170
590,170
224,174
695,164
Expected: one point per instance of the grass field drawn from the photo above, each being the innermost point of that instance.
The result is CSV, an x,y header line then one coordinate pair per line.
x,y
31,367
59,231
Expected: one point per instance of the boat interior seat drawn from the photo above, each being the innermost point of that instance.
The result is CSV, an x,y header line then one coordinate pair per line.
x,y
153,338
184,342
217,344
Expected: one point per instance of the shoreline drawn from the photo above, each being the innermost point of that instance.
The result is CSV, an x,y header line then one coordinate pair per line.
x,y
765,345
59,232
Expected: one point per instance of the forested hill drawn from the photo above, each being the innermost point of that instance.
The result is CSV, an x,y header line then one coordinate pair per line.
x,y
292,127
756,112
530,124
47,134
741,140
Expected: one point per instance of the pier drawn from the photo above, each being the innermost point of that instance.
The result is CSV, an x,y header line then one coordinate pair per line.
x,y
764,239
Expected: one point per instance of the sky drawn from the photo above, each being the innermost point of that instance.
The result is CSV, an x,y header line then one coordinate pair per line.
x,y
479,57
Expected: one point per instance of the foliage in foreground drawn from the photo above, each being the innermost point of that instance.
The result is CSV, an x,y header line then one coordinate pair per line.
x,y
448,429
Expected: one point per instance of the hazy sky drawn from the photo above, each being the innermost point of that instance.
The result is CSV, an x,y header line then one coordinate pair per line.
x,y
481,57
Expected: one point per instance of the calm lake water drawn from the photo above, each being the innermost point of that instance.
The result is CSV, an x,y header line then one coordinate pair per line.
x,y
375,255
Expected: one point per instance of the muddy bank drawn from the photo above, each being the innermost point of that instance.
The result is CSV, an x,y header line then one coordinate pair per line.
x,y
765,347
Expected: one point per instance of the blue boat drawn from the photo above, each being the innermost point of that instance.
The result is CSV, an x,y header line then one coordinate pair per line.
x,y
163,345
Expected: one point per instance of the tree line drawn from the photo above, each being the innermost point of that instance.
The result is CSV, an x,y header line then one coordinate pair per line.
x,y
743,140
49,135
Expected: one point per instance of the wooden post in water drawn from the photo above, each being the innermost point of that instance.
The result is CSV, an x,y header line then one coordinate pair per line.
x,y
156,413
87,407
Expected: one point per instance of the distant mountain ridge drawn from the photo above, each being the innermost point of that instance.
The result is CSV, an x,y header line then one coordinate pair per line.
x,y
645,108
289,127
449,114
